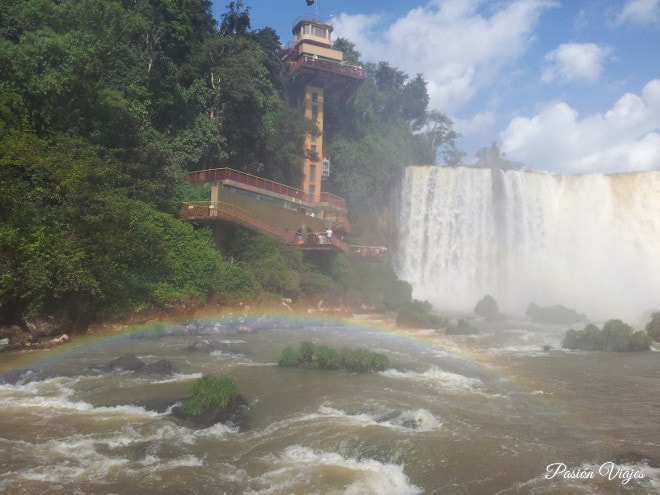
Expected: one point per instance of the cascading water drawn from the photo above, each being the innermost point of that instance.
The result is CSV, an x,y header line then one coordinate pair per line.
x,y
589,242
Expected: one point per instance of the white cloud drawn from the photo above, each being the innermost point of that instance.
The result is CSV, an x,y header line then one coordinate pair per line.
x,y
478,123
575,62
641,12
625,138
457,47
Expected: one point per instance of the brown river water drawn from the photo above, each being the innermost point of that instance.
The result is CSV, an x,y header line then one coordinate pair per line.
x,y
485,414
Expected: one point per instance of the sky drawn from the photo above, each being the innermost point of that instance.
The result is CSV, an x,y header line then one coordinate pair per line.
x,y
563,86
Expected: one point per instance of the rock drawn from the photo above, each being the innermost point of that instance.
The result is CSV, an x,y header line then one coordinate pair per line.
x,y
162,367
11,332
127,362
235,414
487,307
207,345
558,314
25,376
48,327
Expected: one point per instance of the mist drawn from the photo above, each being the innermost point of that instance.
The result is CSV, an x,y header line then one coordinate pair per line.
x,y
588,242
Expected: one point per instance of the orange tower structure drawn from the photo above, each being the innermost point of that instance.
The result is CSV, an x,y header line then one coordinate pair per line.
x,y
317,71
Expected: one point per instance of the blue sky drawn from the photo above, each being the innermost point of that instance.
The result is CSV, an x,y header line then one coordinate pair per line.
x,y
564,86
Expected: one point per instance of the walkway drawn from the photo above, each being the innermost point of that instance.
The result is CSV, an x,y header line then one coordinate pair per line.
x,y
210,211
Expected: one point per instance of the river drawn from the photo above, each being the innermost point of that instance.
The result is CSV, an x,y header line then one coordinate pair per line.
x,y
486,414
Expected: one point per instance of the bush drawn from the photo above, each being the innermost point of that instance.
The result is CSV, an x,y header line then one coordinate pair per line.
x,y
417,314
554,314
326,358
289,358
616,336
653,327
361,360
462,327
209,391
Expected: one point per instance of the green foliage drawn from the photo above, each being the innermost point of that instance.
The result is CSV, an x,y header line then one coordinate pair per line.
x,y
616,336
487,306
653,327
326,358
362,360
235,283
75,243
103,106
274,265
209,391
462,327
376,283
417,314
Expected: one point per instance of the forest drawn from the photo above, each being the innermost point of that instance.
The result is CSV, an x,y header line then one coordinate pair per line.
x,y
105,105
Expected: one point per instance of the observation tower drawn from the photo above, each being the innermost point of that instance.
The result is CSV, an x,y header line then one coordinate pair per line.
x,y
317,71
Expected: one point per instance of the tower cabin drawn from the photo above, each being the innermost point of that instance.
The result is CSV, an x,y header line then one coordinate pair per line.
x,y
317,71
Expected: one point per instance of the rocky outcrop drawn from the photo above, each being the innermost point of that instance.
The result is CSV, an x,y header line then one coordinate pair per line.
x,y
558,315
130,362
234,414
37,333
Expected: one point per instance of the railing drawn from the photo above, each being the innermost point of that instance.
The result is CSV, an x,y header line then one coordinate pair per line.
x,y
223,174
226,211
369,251
336,67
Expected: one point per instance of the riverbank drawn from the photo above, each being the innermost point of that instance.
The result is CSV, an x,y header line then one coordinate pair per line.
x,y
52,331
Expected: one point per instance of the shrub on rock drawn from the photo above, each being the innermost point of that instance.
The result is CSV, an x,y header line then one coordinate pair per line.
x,y
461,327
554,314
417,314
616,336
323,357
209,391
211,400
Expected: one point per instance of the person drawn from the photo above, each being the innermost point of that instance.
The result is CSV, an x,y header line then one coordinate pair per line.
x,y
329,234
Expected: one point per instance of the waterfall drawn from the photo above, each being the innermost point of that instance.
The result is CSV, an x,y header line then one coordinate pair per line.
x,y
588,242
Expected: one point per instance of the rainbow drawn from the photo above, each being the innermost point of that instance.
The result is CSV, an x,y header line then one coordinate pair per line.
x,y
31,359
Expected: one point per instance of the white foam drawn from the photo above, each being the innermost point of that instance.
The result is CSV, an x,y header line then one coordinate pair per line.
x,y
178,377
300,467
437,377
409,420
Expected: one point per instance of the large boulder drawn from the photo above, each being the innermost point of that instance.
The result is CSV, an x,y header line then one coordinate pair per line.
x,y
211,400
558,315
48,327
234,414
162,367
487,306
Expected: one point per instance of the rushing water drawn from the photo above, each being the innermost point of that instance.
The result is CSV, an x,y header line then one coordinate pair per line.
x,y
589,242
483,414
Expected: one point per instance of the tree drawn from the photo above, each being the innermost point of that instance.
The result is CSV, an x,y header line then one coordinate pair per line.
x,y
492,157
350,54
236,21
653,327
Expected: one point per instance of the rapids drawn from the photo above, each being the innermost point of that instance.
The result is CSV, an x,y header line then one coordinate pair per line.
x,y
588,242
484,414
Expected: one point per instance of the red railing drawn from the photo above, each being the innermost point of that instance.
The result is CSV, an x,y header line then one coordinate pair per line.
x,y
224,174
335,67
226,211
